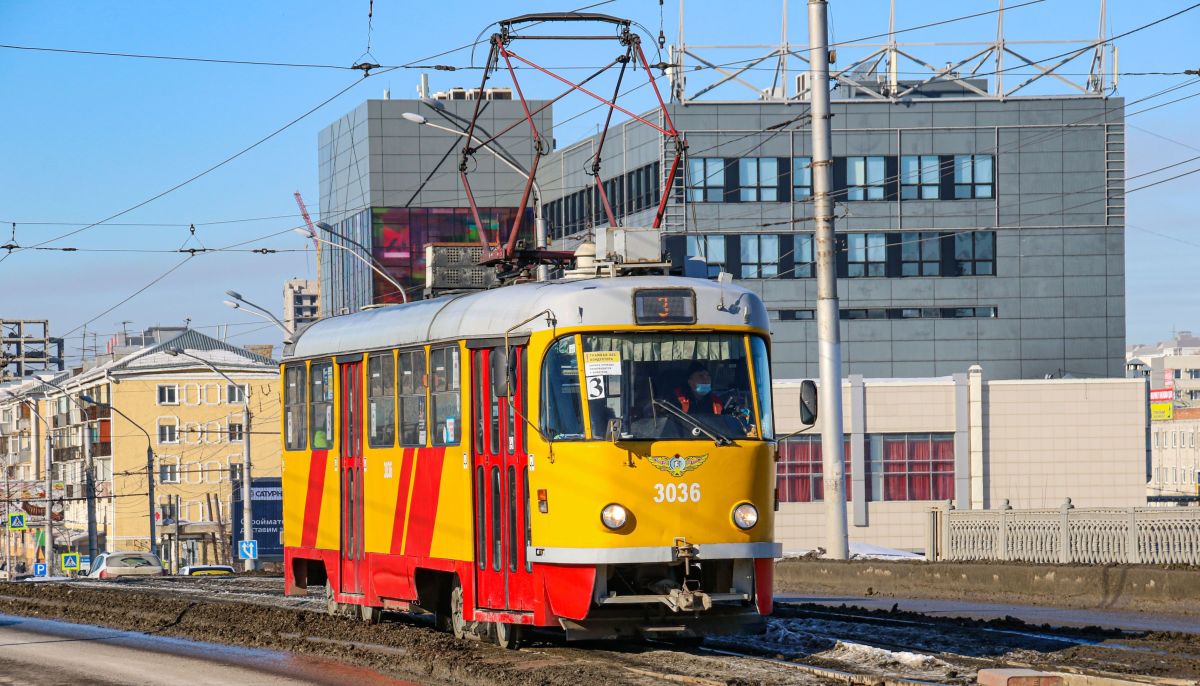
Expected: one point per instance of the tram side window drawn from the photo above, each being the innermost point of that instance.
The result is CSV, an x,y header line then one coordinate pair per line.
x,y
321,397
412,398
295,388
444,390
381,417
562,414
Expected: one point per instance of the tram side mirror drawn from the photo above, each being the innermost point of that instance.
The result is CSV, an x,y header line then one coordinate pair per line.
x,y
808,402
500,372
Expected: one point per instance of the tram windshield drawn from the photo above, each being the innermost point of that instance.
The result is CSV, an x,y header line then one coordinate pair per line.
x,y
655,386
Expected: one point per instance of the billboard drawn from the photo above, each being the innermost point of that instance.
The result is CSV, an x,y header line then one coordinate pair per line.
x,y
266,496
1160,412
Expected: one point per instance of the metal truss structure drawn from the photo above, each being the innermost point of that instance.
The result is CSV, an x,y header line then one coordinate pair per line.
x,y
510,257
875,70
26,347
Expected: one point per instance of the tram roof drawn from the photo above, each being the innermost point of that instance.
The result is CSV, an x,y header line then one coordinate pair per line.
x,y
483,314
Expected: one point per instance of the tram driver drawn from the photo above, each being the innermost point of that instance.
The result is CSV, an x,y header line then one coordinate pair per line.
x,y
695,395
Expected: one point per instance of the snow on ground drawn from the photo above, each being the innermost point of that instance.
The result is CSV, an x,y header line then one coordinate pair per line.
x,y
861,551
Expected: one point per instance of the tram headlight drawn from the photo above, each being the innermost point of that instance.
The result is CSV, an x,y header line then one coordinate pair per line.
x,y
745,516
613,516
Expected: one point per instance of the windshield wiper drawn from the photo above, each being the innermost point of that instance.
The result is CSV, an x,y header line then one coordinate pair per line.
x,y
695,423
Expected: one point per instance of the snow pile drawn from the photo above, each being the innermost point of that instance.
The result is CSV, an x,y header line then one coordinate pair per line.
x,y
859,654
860,551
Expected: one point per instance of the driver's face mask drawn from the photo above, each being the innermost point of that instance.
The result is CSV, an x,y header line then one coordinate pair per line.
x,y
703,388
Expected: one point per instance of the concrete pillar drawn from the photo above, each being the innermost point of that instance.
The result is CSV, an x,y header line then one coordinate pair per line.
x,y
975,437
962,462
858,451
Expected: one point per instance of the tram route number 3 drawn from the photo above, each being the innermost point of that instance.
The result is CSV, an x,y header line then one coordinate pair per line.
x,y
595,387
677,493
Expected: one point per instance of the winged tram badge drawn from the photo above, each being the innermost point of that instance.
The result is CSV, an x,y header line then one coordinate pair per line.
x,y
676,465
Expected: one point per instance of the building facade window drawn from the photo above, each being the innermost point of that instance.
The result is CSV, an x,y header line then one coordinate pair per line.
x,y
972,176
710,248
168,394
758,179
800,472
237,433
866,254
760,257
801,178
919,177
918,466
168,432
235,394
920,254
803,256
706,179
975,253
168,470
865,178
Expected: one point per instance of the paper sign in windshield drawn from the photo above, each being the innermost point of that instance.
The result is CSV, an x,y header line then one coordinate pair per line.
x,y
602,363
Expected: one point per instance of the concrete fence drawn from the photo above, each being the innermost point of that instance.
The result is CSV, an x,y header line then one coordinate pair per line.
x,y
1067,535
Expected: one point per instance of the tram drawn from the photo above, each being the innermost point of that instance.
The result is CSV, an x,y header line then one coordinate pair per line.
x,y
594,455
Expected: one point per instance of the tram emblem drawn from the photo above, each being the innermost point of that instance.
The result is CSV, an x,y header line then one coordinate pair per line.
x,y
677,465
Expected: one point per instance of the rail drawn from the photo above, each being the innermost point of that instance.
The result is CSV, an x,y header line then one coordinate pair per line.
x,y
1066,535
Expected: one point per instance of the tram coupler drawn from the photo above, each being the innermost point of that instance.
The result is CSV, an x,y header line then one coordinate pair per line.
x,y
686,552
686,600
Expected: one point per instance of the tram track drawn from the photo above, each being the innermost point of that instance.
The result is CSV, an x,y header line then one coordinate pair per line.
x,y
802,645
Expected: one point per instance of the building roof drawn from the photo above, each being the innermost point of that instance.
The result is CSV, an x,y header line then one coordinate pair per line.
x,y
582,302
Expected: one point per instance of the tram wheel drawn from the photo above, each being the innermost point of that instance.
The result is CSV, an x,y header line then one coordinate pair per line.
x,y
370,615
508,636
458,625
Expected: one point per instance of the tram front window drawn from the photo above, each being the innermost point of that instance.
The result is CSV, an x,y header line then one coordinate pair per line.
x,y
651,386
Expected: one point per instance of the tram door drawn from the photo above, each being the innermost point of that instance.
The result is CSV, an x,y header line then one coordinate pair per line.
x,y
353,567
504,580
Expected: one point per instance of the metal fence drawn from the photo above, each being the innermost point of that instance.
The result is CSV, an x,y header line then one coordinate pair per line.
x,y
1134,535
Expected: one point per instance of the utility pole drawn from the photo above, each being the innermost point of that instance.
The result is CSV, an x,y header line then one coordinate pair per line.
x,y
829,346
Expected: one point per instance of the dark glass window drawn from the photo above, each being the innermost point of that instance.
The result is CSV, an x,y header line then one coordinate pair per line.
x,y
975,253
321,405
760,257
801,178
867,254
706,179
710,248
920,254
381,401
972,176
805,264
758,179
919,177
444,395
865,178
294,399
410,387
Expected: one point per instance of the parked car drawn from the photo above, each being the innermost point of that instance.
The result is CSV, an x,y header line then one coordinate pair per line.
x,y
119,564
206,570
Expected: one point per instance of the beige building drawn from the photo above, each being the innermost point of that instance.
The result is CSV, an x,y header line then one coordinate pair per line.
x,y
300,306
1175,468
980,444
192,421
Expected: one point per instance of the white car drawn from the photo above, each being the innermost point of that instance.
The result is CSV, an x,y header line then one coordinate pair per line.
x,y
119,564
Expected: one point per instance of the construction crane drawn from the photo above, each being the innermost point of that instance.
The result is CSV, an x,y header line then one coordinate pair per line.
x,y
313,231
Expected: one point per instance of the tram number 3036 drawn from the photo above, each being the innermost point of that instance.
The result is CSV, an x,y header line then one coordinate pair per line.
x,y
677,493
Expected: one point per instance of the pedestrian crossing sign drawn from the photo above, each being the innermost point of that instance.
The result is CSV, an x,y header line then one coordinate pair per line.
x,y
16,521
70,561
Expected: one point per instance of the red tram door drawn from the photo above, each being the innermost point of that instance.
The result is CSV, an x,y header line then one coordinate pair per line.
x,y
353,567
503,574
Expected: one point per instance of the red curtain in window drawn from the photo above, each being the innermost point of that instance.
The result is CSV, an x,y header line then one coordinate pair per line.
x,y
943,467
800,474
919,466
895,468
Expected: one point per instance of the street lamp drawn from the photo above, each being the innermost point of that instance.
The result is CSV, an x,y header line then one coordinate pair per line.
x,y
90,469
257,311
367,260
149,467
247,519
539,223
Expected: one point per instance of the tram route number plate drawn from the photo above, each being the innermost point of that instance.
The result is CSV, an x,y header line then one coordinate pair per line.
x,y
601,363
595,387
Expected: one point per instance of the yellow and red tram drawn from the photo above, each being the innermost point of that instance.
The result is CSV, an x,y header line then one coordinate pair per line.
x,y
537,455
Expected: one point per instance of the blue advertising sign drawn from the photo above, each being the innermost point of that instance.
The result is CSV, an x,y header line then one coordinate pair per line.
x,y
266,502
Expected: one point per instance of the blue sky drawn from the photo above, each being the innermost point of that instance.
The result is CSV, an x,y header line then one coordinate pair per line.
x,y
86,136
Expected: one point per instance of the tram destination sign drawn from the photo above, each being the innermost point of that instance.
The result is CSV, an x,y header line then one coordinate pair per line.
x,y
664,306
